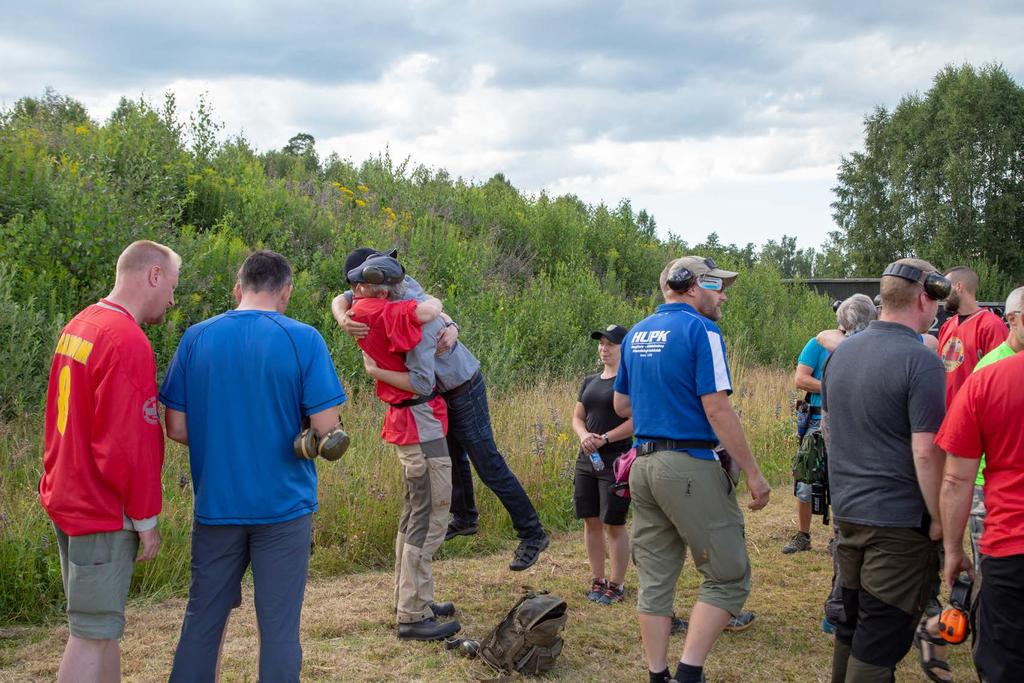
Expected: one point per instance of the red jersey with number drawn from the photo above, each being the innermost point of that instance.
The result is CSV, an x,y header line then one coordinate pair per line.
x,y
962,345
986,418
104,446
394,330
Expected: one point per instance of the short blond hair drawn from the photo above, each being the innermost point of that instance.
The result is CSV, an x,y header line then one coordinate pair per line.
x,y
898,293
143,254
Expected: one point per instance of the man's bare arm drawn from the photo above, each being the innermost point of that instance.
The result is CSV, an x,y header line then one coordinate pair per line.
x,y
395,378
805,380
830,339
955,507
428,309
449,335
928,462
341,309
324,421
729,431
621,404
177,426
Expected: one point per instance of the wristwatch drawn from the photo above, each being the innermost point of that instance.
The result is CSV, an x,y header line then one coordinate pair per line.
x,y
605,437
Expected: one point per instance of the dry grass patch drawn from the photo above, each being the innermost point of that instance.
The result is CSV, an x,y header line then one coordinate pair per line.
x,y
349,632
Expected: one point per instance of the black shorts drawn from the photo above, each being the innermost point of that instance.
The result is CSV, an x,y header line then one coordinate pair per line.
x,y
592,497
999,649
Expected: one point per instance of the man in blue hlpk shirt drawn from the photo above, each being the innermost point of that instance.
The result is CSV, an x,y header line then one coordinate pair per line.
x,y
674,381
236,393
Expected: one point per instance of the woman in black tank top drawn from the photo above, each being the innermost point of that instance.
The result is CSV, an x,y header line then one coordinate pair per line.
x,y
604,436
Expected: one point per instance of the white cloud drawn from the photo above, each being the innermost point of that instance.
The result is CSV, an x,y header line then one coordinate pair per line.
x,y
711,117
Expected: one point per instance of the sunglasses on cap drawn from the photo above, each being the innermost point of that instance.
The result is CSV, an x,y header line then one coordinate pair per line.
x,y
710,282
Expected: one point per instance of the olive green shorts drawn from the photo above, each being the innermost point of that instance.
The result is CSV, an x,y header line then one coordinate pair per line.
x,y
97,570
680,501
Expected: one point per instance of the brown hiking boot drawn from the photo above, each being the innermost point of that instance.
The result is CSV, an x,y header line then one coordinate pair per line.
x,y
801,541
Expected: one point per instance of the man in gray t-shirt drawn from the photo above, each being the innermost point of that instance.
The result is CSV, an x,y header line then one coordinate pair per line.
x,y
883,394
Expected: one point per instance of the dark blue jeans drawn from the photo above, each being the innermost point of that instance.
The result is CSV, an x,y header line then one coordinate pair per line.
x,y
279,554
471,439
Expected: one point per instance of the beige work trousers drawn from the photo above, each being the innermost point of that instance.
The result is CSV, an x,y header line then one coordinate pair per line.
x,y
427,472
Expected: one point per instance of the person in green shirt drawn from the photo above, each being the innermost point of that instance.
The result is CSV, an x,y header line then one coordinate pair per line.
x,y
1014,344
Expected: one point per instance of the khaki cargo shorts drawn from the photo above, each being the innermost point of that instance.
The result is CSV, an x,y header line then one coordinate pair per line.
x,y
97,571
682,502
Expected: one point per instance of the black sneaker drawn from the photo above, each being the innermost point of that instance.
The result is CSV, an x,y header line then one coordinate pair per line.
x,y
428,629
527,553
454,531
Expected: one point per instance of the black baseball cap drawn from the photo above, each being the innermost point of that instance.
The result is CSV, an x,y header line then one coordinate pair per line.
x,y
613,333
356,257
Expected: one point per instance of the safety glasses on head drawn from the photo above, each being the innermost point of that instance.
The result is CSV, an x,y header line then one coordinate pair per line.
x,y
710,282
936,286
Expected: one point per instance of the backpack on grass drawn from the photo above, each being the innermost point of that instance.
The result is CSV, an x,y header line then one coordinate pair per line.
x,y
529,638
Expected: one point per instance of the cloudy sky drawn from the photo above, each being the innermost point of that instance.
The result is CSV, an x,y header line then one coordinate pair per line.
x,y
714,116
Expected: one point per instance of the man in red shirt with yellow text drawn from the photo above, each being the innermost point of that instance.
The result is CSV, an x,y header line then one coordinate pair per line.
x,y
986,417
104,448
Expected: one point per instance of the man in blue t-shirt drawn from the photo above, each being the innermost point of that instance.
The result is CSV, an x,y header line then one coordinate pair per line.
x,y
674,381
236,393
808,379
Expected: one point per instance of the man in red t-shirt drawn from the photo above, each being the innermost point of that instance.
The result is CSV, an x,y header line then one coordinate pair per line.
x,y
969,333
986,418
103,450
417,426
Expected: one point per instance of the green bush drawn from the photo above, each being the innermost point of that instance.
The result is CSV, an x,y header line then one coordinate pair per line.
x,y
27,338
772,321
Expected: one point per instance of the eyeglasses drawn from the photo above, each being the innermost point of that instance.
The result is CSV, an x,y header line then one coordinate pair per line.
x,y
710,282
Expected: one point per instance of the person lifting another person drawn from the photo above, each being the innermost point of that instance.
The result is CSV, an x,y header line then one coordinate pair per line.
x,y
459,378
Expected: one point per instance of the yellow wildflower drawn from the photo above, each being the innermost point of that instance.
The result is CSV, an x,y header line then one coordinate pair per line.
x,y
362,188
360,202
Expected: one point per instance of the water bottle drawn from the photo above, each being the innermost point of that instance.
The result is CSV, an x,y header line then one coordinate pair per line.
x,y
596,461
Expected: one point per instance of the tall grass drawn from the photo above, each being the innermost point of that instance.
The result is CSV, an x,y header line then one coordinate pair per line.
x,y
360,495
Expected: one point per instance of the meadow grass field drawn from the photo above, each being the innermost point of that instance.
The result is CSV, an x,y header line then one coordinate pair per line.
x,y
347,620
360,495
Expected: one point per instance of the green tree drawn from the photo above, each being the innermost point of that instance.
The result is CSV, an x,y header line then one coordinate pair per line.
x,y
941,177
790,261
